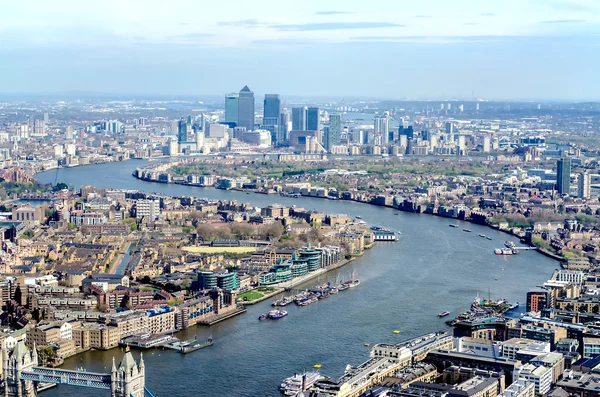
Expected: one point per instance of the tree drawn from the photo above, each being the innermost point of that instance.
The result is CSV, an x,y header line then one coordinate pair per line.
x,y
71,226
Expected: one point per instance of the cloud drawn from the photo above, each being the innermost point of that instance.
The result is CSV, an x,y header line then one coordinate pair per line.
x,y
336,26
244,23
191,36
567,6
564,21
436,39
333,12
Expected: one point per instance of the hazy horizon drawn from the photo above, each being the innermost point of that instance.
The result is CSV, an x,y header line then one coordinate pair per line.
x,y
538,50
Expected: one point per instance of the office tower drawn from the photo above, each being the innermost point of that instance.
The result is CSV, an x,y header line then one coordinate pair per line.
x,y
182,131
409,147
486,144
408,132
449,106
442,106
563,175
69,132
477,107
332,134
462,147
231,107
246,109
272,118
299,119
449,128
46,118
584,188
461,108
381,127
312,119
199,140
286,126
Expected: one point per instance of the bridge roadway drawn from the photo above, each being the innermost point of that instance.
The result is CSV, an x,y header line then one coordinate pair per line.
x,y
67,377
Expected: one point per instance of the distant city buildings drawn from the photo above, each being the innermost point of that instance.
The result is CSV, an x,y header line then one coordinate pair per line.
x,y
563,175
246,109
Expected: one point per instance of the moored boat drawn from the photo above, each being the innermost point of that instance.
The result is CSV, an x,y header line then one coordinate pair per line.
x,y
467,230
452,225
443,314
298,383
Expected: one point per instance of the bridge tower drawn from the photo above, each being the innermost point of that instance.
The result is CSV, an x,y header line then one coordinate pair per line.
x,y
20,359
128,379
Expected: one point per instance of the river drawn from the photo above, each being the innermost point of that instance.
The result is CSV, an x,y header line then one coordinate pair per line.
x,y
404,285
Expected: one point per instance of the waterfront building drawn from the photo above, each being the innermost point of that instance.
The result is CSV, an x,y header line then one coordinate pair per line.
x,y
226,280
246,109
481,347
231,108
444,358
161,320
477,386
538,300
312,257
563,175
418,347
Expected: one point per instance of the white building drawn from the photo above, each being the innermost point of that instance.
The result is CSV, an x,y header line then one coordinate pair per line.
x,y
479,347
584,185
486,144
511,347
540,376
147,209
66,331
71,149
519,388
575,277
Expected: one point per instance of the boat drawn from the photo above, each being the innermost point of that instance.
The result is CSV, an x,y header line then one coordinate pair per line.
x,y
262,317
188,347
443,314
506,251
358,217
482,235
367,344
298,383
467,230
343,287
396,331
513,307
276,314
487,237
395,213
354,283
509,244
451,225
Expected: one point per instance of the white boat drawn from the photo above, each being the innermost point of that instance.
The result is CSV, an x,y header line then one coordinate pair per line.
x,y
299,382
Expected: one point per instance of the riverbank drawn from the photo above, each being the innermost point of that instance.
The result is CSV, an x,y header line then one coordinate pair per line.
x,y
281,287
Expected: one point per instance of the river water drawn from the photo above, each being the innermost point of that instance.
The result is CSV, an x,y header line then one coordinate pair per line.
x,y
404,285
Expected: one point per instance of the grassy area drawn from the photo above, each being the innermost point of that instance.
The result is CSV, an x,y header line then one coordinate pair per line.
x,y
250,296
215,250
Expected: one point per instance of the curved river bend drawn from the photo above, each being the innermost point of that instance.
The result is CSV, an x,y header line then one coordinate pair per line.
x,y
404,285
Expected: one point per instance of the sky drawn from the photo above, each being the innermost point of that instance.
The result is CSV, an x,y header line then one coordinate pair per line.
x,y
387,49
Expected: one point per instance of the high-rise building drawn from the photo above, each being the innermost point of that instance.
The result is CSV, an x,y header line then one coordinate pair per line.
x,y
313,122
486,144
584,185
272,118
199,140
462,146
332,134
231,107
449,128
381,126
182,131
246,109
299,119
563,175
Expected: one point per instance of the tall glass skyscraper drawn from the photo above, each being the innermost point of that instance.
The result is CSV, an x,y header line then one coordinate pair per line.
x,y
563,175
231,107
246,109
299,119
312,119
332,133
182,131
272,118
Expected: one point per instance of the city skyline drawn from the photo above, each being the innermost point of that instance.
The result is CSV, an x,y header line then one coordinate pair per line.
x,y
512,50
